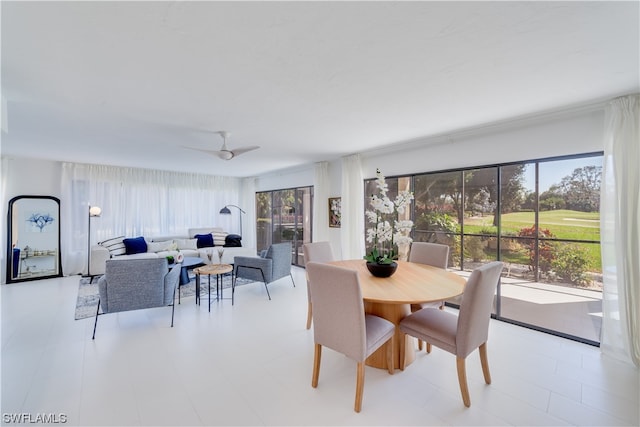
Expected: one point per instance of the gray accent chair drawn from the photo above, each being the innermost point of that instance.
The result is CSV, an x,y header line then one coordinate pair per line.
x,y
273,264
136,284
340,323
461,334
433,254
315,252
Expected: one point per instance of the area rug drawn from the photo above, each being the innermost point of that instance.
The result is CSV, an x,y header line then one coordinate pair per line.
x,y
87,301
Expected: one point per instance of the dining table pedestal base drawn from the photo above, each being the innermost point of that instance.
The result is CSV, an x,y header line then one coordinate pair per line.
x,y
393,313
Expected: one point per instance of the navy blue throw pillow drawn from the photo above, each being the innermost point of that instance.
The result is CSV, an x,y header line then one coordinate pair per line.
x,y
204,240
135,245
233,241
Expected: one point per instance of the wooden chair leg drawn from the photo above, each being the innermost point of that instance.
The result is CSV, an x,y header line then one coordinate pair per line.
x,y
403,350
309,315
485,363
428,348
316,365
359,386
462,380
420,345
390,364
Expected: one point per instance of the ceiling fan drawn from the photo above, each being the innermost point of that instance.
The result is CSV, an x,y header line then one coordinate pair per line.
x,y
224,153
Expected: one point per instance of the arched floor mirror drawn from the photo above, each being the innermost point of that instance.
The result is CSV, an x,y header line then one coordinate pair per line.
x,y
33,247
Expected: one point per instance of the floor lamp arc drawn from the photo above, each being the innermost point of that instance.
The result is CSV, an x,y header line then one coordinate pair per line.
x,y
226,211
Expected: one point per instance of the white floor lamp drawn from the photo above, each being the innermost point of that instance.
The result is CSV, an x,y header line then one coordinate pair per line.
x,y
94,211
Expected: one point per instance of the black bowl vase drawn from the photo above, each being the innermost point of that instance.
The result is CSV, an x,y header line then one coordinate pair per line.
x,y
382,270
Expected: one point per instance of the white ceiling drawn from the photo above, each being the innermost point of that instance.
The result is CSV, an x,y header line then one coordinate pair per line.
x,y
131,83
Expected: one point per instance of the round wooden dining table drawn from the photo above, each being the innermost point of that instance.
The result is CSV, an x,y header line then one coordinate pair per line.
x,y
391,297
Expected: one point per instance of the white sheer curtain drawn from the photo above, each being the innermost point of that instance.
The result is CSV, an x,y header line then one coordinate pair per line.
x,y
138,202
352,208
620,230
321,199
248,204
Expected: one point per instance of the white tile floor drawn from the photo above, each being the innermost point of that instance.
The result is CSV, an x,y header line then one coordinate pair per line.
x,y
250,364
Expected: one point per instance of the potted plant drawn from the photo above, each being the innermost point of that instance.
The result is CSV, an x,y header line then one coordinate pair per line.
x,y
387,231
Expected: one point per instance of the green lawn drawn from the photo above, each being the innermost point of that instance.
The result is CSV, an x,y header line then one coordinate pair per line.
x,y
563,224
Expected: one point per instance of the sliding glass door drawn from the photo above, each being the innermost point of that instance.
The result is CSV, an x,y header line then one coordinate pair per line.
x,y
540,218
285,216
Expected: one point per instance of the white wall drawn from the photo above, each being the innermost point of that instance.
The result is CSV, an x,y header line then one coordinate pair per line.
x,y
33,177
287,178
526,140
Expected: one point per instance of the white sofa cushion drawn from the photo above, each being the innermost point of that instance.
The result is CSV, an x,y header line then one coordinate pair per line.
x,y
159,246
115,246
219,238
187,244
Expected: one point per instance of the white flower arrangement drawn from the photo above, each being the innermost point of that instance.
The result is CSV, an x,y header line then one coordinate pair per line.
x,y
387,231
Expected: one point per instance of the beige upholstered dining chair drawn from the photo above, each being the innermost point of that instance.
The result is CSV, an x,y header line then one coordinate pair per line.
x,y
461,334
433,254
315,252
340,323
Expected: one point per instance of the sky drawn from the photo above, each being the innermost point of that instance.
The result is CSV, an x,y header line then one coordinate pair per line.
x,y
552,172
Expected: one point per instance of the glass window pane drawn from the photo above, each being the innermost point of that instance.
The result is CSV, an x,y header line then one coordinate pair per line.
x,y
285,216
570,198
542,221
480,201
438,211
480,220
518,198
263,218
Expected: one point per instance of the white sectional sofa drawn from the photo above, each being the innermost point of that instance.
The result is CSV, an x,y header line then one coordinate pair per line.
x,y
164,246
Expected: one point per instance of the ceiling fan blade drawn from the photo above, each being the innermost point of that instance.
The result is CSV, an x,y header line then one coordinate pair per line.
x,y
212,152
224,153
243,150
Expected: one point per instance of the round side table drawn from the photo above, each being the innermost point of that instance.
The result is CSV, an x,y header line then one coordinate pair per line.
x,y
217,270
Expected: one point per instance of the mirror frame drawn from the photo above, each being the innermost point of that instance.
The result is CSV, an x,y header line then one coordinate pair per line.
x,y
44,253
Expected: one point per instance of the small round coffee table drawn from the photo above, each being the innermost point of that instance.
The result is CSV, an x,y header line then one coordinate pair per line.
x,y
188,263
210,270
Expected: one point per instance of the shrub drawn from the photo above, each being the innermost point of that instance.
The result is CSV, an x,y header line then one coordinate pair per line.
x,y
435,221
546,249
436,227
474,248
570,263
